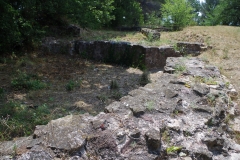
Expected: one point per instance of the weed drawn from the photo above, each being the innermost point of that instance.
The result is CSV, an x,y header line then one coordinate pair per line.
x,y
150,37
116,95
173,149
27,81
165,136
176,112
227,84
210,122
209,81
237,137
228,118
103,98
114,85
14,154
19,120
145,78
133,144
180,68
225,54
72,84
150,105
211,99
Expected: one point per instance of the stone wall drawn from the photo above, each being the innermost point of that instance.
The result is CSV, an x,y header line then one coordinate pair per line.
x,y
123,53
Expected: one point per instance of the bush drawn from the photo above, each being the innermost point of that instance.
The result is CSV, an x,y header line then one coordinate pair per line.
x,y
19,120
27,81
177,14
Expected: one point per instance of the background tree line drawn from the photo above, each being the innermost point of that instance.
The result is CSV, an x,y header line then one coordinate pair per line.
x,y
24,21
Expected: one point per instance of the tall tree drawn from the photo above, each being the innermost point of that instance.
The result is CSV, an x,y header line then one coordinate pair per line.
x,y
227,12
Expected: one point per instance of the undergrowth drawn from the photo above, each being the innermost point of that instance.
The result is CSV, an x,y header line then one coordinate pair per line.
x,y
18,120
27,81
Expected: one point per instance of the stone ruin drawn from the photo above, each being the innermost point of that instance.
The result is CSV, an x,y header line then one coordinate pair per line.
x,y
183,115
123,53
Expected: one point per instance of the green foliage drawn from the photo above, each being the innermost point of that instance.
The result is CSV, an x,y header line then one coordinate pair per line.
x,y
231,12
27,81
127,13
220,12
150,105
177,14
19,120
92,13
103,98
145,78
72,84
173,149
116,95
24,22
152,20
179,68
213,16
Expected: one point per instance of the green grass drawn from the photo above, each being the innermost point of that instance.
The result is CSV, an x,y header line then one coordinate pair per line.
x,y
27,81
19,120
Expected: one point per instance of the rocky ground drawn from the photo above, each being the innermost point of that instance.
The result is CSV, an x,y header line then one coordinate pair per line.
x,y
184,114
188,112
